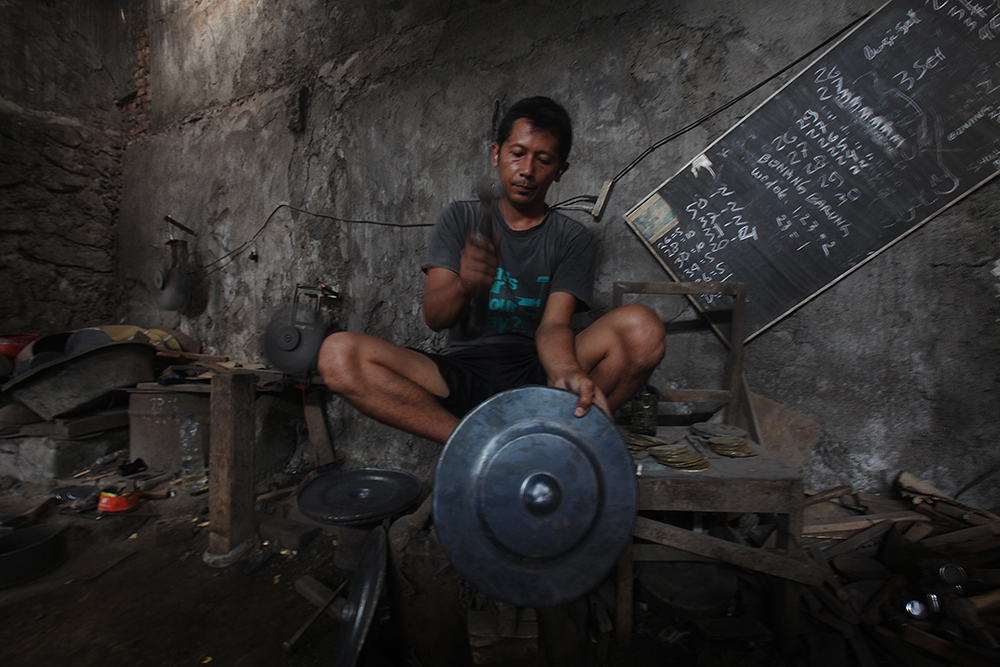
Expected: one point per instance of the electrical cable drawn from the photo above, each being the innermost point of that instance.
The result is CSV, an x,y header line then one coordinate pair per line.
x,y
243,246
690,126
749,91
572,201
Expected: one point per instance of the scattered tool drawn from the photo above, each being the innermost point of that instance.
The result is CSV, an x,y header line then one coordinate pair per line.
x,y
289,645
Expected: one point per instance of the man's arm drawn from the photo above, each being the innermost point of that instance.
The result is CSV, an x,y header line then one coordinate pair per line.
x,y
557,351
447,294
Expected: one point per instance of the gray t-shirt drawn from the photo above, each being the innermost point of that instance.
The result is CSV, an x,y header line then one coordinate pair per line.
x,y
555,256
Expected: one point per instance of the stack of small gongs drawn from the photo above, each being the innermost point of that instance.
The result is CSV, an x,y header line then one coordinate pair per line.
x,y
681,450
676,455
725,439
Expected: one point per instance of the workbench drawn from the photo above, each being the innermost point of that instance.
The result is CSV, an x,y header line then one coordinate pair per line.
x,y
758,484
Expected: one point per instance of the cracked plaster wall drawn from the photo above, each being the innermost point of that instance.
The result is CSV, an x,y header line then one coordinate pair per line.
x,y
62,65
898,361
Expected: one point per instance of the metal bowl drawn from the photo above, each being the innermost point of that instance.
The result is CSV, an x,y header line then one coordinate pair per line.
x,y
29,553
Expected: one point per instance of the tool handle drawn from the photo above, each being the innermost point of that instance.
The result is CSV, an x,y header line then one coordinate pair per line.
x,y
289,645
484,234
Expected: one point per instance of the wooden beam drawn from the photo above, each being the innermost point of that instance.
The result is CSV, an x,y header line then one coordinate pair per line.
x,y
855,541
694,396
964,535
234,434
746,557
65,429
862,521
623,599
319,435
829,494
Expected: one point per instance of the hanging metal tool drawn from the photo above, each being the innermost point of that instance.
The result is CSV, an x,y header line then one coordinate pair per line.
x,y
171,283
296,331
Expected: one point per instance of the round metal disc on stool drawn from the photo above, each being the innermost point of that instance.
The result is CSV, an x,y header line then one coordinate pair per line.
x,y
358,496
366,587
533,505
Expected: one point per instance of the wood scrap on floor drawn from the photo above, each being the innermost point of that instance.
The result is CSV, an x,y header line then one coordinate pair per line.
x,y
911,576
785,434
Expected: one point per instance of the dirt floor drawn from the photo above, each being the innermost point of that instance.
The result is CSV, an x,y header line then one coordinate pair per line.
x,y
123,599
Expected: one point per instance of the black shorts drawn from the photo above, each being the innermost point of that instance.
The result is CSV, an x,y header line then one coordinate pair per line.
x,y
474,374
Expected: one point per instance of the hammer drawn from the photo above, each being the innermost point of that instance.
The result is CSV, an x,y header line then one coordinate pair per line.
x,y
484,234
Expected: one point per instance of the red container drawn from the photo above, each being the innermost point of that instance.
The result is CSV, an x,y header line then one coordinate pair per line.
x,y
11,344
118,502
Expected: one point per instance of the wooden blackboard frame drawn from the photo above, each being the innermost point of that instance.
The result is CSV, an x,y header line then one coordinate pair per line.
x,y
913,128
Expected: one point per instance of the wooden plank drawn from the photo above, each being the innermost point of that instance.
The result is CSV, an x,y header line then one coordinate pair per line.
x,y
623,599
987,601
828,494
319,435
189,356
746,557
319,595
64,429
679,491
787,435
507,622
876,502
862,651
919,531
660,553
964,535
948,650
484,627
852,543
184,388
861,522
831,577
694,396
234,433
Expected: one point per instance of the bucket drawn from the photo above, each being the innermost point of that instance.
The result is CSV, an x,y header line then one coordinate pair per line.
x,y
11,344
29,553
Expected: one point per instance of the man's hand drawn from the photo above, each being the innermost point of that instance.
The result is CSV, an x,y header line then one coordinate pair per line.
x,y
478,265
447,294
590,394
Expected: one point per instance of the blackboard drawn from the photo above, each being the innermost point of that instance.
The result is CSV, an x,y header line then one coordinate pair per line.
x,y
895,123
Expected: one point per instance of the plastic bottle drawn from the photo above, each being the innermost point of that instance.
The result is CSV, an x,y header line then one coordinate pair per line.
x,y
193,475
644,410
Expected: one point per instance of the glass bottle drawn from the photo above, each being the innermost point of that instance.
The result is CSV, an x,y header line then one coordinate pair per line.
x,y
644,411
193,476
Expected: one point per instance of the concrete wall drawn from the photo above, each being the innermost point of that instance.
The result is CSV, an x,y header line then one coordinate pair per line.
x,y
898,361
62,66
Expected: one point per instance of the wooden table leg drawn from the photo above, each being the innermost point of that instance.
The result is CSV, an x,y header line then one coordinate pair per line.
x,y
785,601
233,436
623,603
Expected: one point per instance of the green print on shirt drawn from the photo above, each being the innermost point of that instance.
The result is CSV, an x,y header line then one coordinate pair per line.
x,y
511,312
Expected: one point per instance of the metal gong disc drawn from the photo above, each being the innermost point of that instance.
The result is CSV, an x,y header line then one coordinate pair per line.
x,y
293,338
533,505
366,587
358,496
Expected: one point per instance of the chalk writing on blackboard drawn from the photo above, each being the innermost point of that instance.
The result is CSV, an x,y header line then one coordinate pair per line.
x,y
890,127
